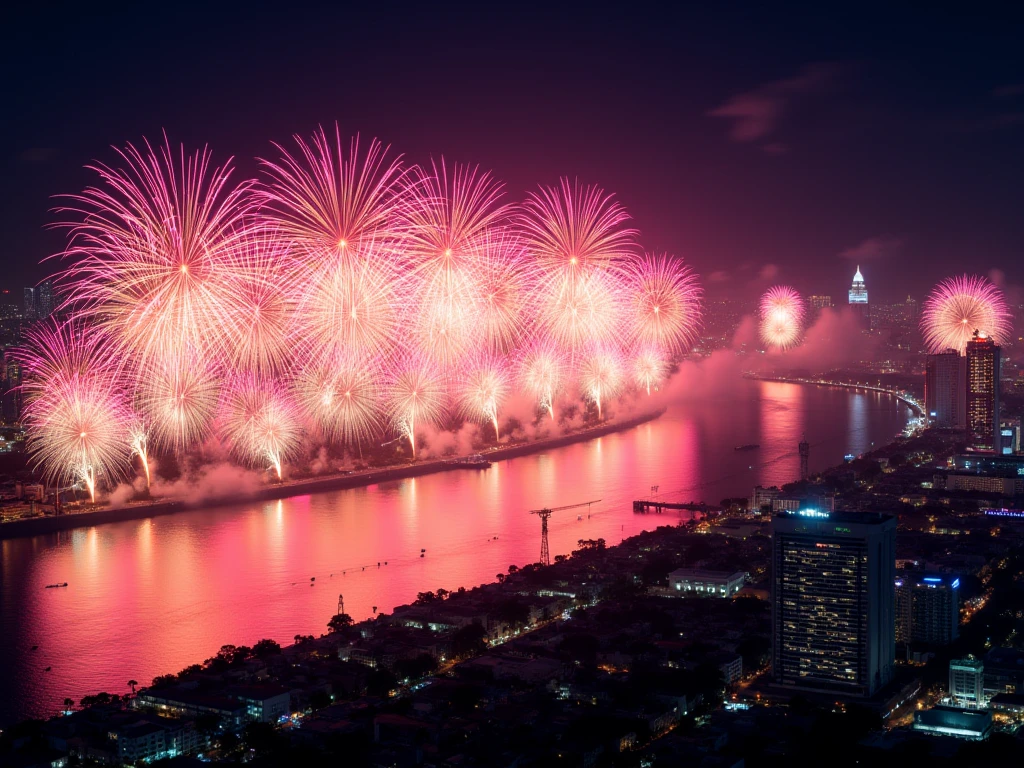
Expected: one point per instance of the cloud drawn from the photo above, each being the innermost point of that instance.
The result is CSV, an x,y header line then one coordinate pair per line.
x,y
878,247
768,272
718,276
757,114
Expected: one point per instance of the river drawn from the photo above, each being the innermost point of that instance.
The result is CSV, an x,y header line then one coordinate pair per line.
x,y
152,596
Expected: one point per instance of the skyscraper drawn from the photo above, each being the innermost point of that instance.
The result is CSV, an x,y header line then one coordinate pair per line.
x,y
983,364
927,609
945,389
31,309
44,299
859,298
833,611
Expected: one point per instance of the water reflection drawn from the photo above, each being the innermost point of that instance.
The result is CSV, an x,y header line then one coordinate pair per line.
x,y
153,596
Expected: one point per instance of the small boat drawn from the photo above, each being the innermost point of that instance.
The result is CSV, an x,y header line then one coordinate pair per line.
x,y
748,447
476,461
54,586
48,669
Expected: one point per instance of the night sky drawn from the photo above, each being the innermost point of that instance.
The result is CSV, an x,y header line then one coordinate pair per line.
x,y
760,145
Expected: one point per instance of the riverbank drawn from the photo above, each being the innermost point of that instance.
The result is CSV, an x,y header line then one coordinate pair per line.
x,y
35,526
904,397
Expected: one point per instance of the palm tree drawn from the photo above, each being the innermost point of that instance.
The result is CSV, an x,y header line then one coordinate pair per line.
x,y
69,704
132,684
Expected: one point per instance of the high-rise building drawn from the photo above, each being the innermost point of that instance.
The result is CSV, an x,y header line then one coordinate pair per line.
x,y
833,601
814,306
967,682
945,389
31,309
859,299
1009,436
927,608
44,299
983,364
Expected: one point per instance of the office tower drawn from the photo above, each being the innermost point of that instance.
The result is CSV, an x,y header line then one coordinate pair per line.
x,y
833,601
814,306
859,299
30,309
44,299
927,609
983,363
945,389
967,682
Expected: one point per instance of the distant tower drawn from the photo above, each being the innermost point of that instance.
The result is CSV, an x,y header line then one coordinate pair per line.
x,y
859,299
805,455
341,604
545,556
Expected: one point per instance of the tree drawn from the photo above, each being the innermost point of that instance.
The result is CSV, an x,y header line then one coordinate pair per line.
x,y
164,681
425,598
319,700
339,622
501,578
132,684
512,613
69,704
469,641
513,569
261,738
265,648
415,668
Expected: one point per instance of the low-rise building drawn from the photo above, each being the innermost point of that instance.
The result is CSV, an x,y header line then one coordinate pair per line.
x,y
692,582
970,724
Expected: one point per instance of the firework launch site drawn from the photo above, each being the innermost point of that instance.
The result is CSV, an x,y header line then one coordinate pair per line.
x,y
35,519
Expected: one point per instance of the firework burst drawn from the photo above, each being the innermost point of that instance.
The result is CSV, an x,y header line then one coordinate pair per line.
x,y
649,369
959,306
341,399
782,314
73,408
416,396
601,376
484,388
665,303
260,422
542,373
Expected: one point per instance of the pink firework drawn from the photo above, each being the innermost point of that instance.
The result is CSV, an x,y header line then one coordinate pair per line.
x,y
665,303
959,306
575,228
782,315
260,422
74,410
483,388
341,398
177,395
416,396
649,368
542,372
601,376
154,244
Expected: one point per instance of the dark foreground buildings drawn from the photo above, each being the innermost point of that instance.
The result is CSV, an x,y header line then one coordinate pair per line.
x,y
833,601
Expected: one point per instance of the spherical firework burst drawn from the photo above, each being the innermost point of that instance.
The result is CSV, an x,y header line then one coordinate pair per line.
x,y
416,396
959,306
665,303
601,376
580,312
73,408
154,247
342,399
483,389
542,372
782,315
178,397
260,422
649,369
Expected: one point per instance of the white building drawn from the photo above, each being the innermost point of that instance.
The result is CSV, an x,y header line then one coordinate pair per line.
x,y
690,582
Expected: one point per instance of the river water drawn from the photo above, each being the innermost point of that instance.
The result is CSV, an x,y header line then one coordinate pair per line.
x,y
152,596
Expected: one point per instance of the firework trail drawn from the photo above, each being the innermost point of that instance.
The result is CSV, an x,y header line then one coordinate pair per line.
x,y
665,302
138,441
649,369
416,396
260,422
782,314
542,372
73,408
959,306
484,387
178,397
601,376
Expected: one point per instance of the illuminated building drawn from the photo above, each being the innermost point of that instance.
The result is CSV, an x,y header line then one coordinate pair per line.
x,y
763,497
983,357
970,724
833,612
945,390
858,298
814,306
967,682
1009,436
995,465
30,310
44,299
927,608
688,582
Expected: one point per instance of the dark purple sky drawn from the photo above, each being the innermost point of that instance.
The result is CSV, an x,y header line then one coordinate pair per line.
x,y
761,145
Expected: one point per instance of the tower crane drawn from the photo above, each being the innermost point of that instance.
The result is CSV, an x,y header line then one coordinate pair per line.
x,y
544,514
